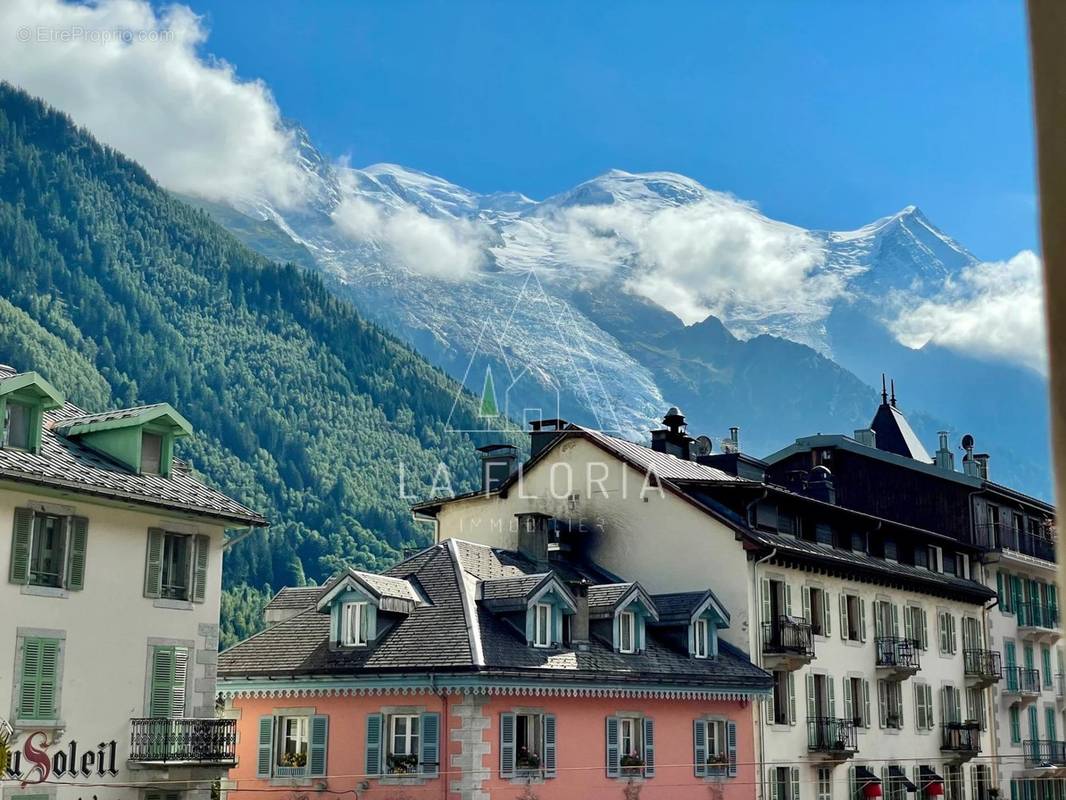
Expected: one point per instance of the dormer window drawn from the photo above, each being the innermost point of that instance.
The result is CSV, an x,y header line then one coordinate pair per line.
x,y
627,632
701,644
17,426
542,625
355,627
151,453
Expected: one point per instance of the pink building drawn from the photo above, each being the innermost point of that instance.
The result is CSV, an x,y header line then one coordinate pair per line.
x,y
468,672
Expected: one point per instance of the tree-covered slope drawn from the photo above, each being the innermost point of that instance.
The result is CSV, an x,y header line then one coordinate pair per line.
x,y
122,294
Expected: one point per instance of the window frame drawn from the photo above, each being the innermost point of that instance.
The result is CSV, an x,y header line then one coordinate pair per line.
x,y
145,468
542,628
282,734
28,413
535,719
357,612
701,638
166,566
625,617
412,738
61,549
636,736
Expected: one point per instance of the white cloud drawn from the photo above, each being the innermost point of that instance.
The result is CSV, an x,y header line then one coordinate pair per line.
x,y
186,117
994,309
711,257
441,247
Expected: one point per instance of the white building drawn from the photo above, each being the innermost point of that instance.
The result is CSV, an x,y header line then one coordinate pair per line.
x,y
109,630
862,621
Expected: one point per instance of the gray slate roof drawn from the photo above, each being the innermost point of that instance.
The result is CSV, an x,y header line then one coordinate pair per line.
x,y
664,465
107,416
606,596
434,636
66,464
295,597
678,606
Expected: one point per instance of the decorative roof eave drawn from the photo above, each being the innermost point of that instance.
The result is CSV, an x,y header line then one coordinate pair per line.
x,y
32,383
353,579
158,413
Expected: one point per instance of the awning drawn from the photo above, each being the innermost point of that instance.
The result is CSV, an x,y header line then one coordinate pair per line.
x,y
930,782
868,783
898,774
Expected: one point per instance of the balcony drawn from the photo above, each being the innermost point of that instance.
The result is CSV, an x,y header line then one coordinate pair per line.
x,y
982,667
998,537
1023,683
897,656
961,741
1044,753
1038,620
831,738
183,742
787,643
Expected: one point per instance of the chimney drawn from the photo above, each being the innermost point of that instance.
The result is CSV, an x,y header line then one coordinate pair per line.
x,y
982,465
944,458
866,436
579,625
672,439
732,444
969,461
497,464
533,536
542,432
820,485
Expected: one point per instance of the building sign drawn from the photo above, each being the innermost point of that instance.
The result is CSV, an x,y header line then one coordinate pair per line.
x,y
34,763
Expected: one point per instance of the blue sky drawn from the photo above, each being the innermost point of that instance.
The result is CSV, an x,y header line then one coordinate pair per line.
x,y
826,114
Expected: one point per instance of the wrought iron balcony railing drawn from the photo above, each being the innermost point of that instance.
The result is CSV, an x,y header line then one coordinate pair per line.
x,y
188,741
996,536
1044,753
982,664
894,651
961,737
1034,614
831,735
1022,681
788,635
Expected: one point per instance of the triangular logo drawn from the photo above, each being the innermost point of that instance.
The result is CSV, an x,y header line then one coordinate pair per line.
x,y
489,408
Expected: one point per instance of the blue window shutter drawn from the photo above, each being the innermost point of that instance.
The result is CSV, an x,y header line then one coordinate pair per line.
x,y
507,754
316,760
430,761
649,747
699,747
549,745
731,745
373,744
266,747
613,770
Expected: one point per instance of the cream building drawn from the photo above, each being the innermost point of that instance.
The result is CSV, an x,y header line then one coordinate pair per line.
x,y
109,632
864,635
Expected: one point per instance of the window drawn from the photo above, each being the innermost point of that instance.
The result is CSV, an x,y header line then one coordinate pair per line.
x,y
527,745
982,781
783,783
816,610
890,704
1015,725
48,549
963,562
402,753
858,542
852,618
293,743
542,625
170,671
825,783
1045,657
627,632
39,678
151,453
975,707
529,742
17,426
630,747
857,701
914,626
783,697
701,645
714,755
953,782
936,558
355,624
923,706
629,738
175,566
948,638
951,706
891,554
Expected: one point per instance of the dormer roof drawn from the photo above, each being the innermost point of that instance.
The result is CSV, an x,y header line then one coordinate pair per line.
x,y
161,414
398,595
605,599
32,385
501,595
684,608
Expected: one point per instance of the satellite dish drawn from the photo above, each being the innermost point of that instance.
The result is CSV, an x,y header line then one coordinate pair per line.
x,y
967,442
702,446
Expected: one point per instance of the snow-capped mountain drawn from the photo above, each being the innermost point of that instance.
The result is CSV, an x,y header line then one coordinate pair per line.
x,y
587,303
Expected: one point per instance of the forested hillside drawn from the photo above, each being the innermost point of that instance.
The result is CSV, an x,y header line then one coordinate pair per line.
x,y
121,294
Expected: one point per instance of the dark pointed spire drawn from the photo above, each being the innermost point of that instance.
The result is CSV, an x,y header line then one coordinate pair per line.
x,y
884,391
893,393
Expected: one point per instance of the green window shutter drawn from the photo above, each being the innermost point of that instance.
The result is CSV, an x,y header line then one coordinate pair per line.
x,y
430,759
865,703
827,615
164,676
549,746
153,568
882,703
699,746
771,780
731,747
849,701
765,600
843,616
181,677
79,541
832,702
613,770
318,745
649,747
895,620
40,675
199,582
794,783
805,596
266,747
862,620
791,698
1003,603
812,711
21,537
374,724
507,745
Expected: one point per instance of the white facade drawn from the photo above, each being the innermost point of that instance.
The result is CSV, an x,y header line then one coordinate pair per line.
x,y
77,743
667,543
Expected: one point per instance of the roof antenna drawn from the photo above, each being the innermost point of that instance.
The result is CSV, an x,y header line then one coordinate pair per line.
x,y
893,393
884,391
